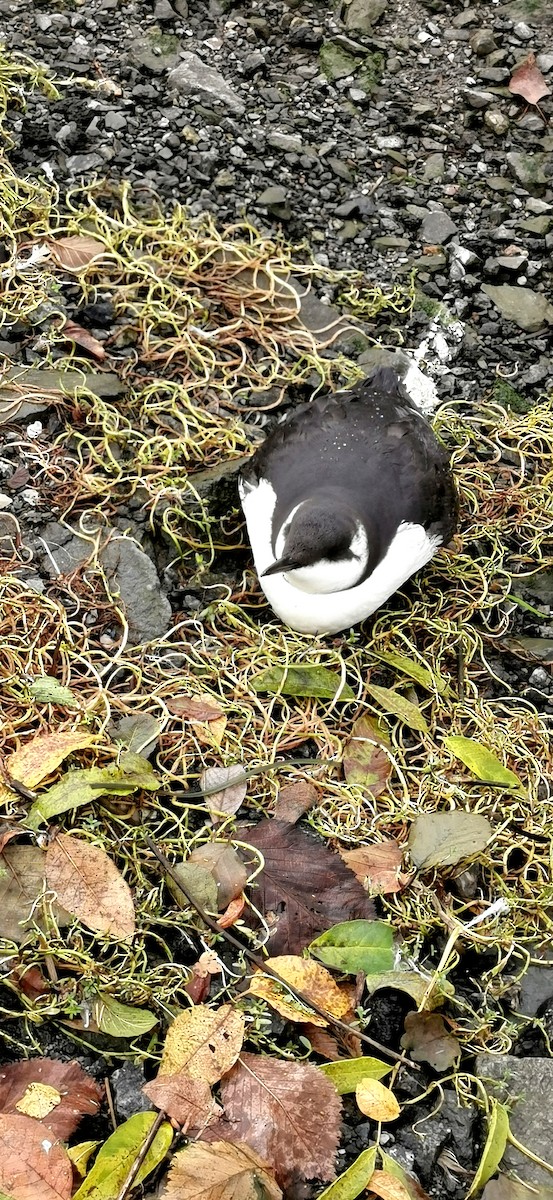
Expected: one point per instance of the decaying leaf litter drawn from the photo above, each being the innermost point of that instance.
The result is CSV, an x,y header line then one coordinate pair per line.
x,y
106,743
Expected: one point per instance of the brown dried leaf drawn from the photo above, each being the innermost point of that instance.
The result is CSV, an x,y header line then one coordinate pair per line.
x,y
233,788
306,976
226,867
323,1043
22,870
203,1041
30,981
377,867
294,800
31,1166
287,1112
76,252
232,912
387,1187
186,1100
39,757
6,836
89,886
427,1037
304,885
222,1171
57,1093
82,337
527,81
364,758
195,709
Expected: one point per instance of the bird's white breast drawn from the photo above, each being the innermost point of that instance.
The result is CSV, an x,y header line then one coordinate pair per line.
x,y
309,612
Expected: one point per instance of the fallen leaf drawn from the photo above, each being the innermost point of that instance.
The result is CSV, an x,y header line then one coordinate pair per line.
x,y
503,1188
75,333
29,980
203,1041
294,800
322,1042
196,709
354,1180
116,1157
494,1149
304,884
376,1101
356,946
364,759
413,984
85,787
411,1185
80,1156
232,785
392,702
388,1187
46,690
232,912
76,251
88,884
121,1020
443,839
57,1093
432,681
22,876
226,867
188,1101
527,81
39,757
349,1072
482,763
7,835
139,734
306,976
427,1038
300,680
221,1171
31,1164
378,867
285,1111
198,881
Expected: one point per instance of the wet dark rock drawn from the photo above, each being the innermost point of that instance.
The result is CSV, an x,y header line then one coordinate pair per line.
x,y
523,1083
126,1085
437,228
132,574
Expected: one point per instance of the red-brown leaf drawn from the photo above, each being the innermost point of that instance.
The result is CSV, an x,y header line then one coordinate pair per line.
x,y
289,1113
379,865
31,1166
74,253
194,709
304,887
88,884
527,81
30,981
188,1101
79,1094
76,333
294,800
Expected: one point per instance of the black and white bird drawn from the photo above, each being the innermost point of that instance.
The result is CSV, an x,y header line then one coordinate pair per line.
x,y
344,502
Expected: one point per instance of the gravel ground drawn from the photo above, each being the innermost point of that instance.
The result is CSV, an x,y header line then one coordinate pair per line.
x,y
383,135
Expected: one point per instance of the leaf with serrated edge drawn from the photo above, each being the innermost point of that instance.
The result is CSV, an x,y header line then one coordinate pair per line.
x,y
482,763
46,690
121,1020
303,680
306,976
221,1171
354,1180
57,1093
496,1141
376,1101
354,946
188,1101
88,884
204,1041
393,702
443,839
348,1072
31,1164
116,1157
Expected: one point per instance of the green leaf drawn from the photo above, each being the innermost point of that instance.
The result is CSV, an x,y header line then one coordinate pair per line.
x,y
413,984
354,1180
346,1073
482,762
121,1020
300,680
198,881
47,690
414,669
354,946
138,733
116,1157
443,839
496,1141
76,788
392,702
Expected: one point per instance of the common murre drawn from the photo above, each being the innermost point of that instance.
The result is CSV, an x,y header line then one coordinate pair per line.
x,y
344,502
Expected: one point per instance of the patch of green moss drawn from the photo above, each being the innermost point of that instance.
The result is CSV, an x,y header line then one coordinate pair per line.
x,y
506,395
370,74
167,43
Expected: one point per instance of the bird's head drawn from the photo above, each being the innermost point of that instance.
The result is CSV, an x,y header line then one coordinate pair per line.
x,y
321,547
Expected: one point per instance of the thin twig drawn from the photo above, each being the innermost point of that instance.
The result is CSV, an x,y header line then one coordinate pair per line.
x,y
267,970
161,1117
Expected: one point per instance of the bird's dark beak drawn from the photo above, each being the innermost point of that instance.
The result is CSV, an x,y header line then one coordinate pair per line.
x,y
281,565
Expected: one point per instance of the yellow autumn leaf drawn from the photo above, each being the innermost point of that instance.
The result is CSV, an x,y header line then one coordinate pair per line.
x,y
387,1187
39,757
203,1041
38,1100
376,1101
308,977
